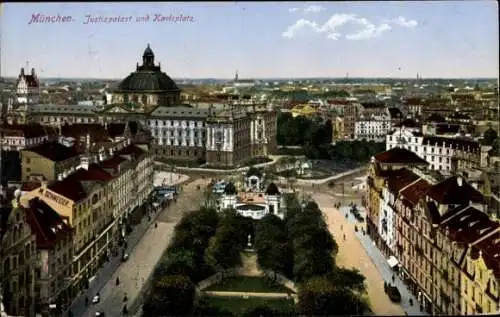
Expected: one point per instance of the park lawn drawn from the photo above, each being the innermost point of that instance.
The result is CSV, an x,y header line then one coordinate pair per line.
x,y
254,284
238,305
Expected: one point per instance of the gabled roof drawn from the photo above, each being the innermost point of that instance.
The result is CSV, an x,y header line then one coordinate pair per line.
x,y
415,191
399,155
45,223
450,192
25,130
54,151
400,179
77,186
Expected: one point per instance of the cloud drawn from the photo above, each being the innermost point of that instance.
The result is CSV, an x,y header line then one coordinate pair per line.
x,y
330,28
309,9
401,21
314,9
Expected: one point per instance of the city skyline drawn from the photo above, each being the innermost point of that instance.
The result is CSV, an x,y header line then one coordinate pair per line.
x,y
260,40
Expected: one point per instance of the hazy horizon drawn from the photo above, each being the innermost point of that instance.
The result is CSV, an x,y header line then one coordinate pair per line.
x,y
445,39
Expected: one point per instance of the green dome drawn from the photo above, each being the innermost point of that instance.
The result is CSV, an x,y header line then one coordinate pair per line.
x,y
147,81
148,77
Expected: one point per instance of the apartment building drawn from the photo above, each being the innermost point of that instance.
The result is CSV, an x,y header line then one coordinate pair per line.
x,y
442,153
382,167
373,127
53,258
440,236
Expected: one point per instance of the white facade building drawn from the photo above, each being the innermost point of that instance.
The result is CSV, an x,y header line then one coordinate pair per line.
x,y
28,88
372,127
442,153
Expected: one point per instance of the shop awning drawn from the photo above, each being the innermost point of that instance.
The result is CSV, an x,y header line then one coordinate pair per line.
x,y
392,261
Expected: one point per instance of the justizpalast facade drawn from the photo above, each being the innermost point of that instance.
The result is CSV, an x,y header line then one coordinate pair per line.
x,y
222,135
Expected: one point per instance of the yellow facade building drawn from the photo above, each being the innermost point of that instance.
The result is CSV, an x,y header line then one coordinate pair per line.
x,y
46,161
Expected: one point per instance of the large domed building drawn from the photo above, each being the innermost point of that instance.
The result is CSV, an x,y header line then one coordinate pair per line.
x,y
148,86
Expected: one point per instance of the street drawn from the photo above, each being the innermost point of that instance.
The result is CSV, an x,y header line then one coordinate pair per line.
x,y
134,273
357,250
78,306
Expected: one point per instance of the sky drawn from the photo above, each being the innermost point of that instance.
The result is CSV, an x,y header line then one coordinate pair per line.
x,y
443,39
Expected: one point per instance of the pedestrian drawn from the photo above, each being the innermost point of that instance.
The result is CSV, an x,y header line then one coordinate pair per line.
x,y
344,236
117,280
156,224
341,227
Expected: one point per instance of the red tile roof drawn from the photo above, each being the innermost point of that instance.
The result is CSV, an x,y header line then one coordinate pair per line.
x,y
74,187
55,151
468,225
46,224
415,191
399,179
99,132
399,155
25,130
449,192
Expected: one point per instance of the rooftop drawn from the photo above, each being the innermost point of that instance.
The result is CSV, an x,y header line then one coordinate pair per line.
x,y
54,151
399,155
80,184
415,191
454,191
400,179
45,223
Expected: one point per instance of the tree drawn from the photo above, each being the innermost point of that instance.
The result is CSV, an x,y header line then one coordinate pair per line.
x,y
271,244
347,278
171,296
179,262
318,296
224,247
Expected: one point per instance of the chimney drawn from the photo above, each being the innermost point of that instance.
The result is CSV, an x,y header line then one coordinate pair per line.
x,y
459,181
22,71
33,72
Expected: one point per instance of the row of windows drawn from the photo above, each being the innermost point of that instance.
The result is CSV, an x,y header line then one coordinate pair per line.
x,y
172,123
